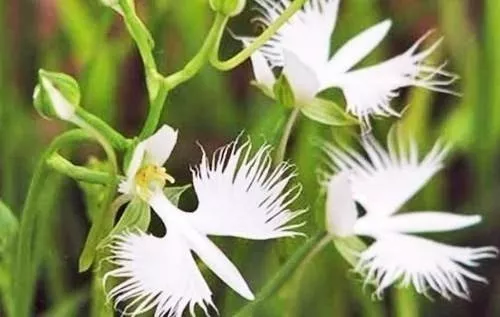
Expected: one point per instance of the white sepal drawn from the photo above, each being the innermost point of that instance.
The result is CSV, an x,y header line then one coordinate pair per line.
x,y
243,195
357,48
302,79
154,150
341,213
423,263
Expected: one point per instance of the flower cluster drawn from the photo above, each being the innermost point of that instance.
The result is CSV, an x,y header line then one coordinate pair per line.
x,y
242,192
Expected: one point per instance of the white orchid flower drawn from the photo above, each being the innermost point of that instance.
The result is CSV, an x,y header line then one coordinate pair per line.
x,y
382,184
239,195
302,48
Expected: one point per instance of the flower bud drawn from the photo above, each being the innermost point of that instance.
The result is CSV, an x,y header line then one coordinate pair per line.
x,y
56,96
228,7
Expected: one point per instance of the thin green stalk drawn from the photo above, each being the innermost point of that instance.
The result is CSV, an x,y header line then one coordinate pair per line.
x,y
281,150
145,44
24,267
301,256
154,113
191,69
194,66
117,140
79,173
257,43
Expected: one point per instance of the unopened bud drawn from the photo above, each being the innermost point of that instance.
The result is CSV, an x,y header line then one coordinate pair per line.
x,y
56,96
228,7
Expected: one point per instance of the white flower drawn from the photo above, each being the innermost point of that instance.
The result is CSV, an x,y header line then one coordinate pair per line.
x,y
239,194
382,184
302,48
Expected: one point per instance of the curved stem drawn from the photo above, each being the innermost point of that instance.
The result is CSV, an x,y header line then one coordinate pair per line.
x,y
154,113
79,173
301,256
24,263
117,140
145,44
281,150
258,42
172,81
202,56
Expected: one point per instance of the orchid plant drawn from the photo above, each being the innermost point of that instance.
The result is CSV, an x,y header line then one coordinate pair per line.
x,y
244,191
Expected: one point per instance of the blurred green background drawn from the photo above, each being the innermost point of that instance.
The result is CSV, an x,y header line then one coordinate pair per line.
x,y
88,41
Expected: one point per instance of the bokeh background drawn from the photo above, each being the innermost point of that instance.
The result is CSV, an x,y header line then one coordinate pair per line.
x,y
88,41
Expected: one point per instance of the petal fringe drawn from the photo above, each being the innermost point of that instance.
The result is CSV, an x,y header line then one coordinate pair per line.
x,y
369,91
386,179
243,195
423,263
155,272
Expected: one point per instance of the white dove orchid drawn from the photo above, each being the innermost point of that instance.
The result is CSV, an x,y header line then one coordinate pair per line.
x,y
382,184
301,47
239,195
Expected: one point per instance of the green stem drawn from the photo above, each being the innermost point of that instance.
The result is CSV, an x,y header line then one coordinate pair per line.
x,y
117,140
79,173
281,150
194,66
24,268
145,44
154,113
191,69
257,43
301,256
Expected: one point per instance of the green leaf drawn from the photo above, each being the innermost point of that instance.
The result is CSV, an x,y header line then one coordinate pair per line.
x,y
174,193
350,248
283,92
327,112
8,226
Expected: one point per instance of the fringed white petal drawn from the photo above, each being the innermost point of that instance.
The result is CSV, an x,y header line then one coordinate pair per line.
x,y
388,178
341,213
423,263
156,272
357,48
414,222
243,195
368,91
307,33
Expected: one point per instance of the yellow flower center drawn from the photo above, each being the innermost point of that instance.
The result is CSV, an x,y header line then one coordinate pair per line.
x,y
150,178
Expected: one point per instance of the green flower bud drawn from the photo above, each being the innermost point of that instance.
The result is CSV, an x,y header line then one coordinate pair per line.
x,y
56,96
228,7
